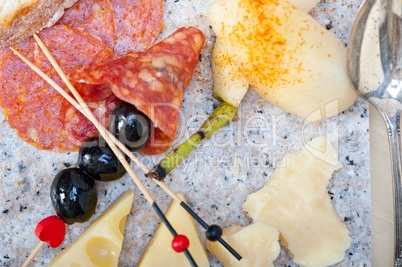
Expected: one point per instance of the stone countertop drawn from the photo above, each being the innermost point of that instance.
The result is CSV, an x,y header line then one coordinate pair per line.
x,y
235,162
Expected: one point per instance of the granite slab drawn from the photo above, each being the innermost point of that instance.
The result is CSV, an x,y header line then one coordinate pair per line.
x,y
216,177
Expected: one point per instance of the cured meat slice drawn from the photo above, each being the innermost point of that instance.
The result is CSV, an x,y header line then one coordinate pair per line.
x,y
34,108
139,23
153,81
94,16
158,143
100,99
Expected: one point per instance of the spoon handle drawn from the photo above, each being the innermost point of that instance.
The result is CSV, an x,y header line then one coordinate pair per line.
x,y
394,135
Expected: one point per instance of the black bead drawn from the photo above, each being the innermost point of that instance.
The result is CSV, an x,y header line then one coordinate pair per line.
x,y
213,233
73,194
130,126
98,160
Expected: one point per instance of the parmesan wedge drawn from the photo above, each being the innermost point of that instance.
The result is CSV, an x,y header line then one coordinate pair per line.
x,y
257,244
295,200
230,85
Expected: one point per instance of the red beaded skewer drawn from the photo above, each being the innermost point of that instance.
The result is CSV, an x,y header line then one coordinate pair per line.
x,y
180,243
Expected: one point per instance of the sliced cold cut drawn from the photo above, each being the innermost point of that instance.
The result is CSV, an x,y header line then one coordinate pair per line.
x,y
94,16
139,23
33,107
153,81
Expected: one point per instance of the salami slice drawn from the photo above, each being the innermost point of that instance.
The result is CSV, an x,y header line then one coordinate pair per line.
x,y
139,23
100,99
153,81
94,16
34,108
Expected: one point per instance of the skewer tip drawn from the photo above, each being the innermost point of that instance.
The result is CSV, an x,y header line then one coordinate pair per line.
x,y
157,173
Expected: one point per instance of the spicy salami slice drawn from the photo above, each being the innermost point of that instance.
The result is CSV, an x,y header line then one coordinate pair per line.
x,y
100,99
153,81
158,143
34,108
94,16
138,22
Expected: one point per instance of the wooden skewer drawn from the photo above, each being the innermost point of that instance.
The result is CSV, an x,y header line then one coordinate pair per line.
x,y
84,105
33,254
93,119
105,134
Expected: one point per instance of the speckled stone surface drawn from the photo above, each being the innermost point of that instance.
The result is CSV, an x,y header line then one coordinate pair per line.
x,y
216,177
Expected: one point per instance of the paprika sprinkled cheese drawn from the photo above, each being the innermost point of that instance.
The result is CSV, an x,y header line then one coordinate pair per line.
x,y
285,55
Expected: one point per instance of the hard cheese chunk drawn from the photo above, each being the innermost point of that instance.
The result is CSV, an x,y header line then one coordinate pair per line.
x,y
100,244
159,251
230,85
296,202
257,244
285,55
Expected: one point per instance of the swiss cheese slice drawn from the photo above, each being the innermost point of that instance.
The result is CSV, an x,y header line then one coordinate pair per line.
x,y
159,251
100,244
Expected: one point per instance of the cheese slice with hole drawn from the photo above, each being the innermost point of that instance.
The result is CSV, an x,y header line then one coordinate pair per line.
x,y
159,251
100,244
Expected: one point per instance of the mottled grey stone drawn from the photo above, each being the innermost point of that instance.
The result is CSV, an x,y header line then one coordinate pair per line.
x,y
215,188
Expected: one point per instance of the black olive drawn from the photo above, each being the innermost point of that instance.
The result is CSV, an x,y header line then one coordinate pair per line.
x,y
73,194
98,160
130,126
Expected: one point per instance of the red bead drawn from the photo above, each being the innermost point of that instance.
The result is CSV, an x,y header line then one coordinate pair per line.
x,y
180,243
51,230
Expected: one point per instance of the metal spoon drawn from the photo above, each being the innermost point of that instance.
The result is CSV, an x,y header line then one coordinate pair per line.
x,y
375,70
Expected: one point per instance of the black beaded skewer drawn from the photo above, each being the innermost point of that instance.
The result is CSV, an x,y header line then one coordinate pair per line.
x,y
213,233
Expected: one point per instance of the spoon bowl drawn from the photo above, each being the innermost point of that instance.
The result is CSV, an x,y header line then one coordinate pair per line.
x,y
375,71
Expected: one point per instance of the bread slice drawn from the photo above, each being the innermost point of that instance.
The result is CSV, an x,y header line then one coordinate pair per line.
x,y
19,19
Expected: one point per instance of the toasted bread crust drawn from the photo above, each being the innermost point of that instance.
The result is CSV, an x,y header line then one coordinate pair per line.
x,y
30,19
